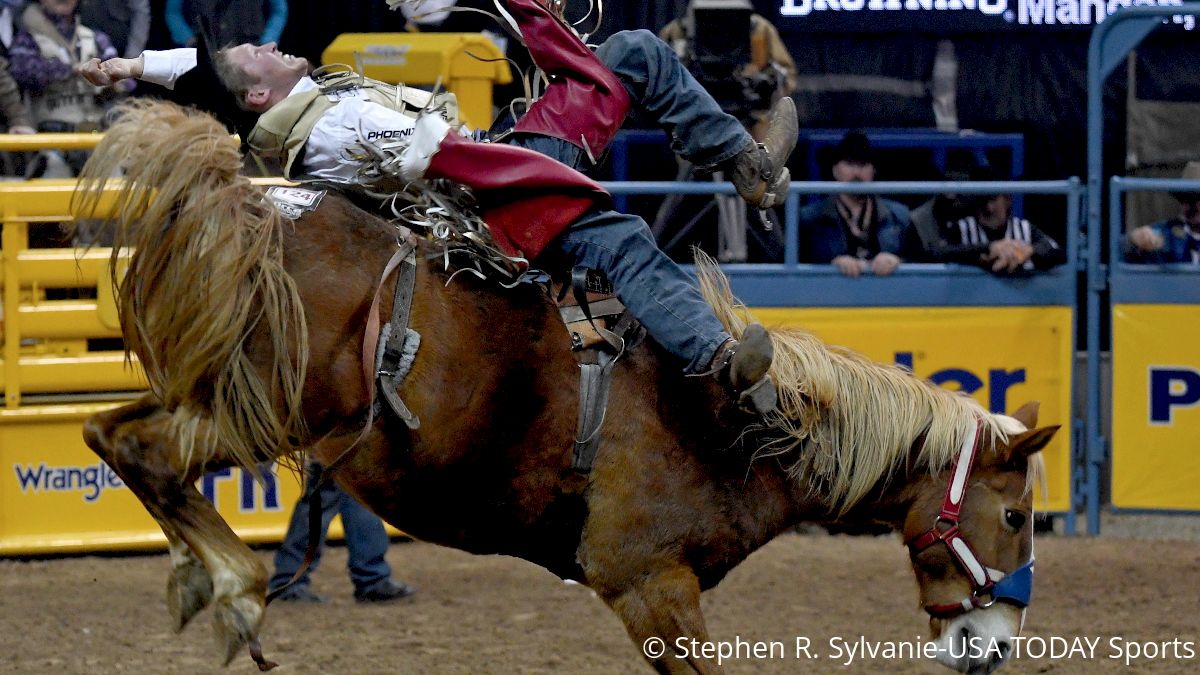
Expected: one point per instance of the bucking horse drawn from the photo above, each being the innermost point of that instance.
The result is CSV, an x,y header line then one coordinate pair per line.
x,y
252,329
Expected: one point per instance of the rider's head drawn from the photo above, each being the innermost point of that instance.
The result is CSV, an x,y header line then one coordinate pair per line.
x,y
258,76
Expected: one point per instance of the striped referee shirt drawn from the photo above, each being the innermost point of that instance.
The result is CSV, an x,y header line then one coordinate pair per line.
x,y
971,233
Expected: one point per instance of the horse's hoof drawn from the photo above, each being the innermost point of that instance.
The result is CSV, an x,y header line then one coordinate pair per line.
x,y
189,590
236,621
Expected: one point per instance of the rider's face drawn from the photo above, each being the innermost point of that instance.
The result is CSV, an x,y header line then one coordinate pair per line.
x,y
268,67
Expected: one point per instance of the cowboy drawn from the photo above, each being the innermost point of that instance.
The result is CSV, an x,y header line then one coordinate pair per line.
x,y
528,188
857,233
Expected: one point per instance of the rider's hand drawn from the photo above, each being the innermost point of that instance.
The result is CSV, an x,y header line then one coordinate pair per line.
x,y
1146,239
849,265
91,71
107,73
884,264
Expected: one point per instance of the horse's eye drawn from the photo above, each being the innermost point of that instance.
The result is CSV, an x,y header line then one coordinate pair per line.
x,y
1014,519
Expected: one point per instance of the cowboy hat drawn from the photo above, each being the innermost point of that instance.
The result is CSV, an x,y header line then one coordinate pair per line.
x,y
1190,172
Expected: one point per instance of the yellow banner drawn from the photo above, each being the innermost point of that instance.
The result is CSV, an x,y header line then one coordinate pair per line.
x,y
1003,356
1156,407
57,496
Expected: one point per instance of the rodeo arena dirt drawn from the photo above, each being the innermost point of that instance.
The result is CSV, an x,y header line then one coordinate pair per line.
x,y
1122,603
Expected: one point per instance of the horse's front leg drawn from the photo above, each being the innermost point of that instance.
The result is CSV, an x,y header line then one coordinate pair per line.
x,y
662,610
135,441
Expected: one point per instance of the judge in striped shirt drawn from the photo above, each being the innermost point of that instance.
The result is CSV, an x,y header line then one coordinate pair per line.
x,y
995,239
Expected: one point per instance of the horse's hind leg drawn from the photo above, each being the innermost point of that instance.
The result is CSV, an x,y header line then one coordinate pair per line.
x,y
133,441
658,610
189,586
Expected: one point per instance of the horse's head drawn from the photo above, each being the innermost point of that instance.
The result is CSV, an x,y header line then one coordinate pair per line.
x,y
970,538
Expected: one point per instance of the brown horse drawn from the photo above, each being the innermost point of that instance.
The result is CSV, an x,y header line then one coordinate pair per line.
x,y
251,328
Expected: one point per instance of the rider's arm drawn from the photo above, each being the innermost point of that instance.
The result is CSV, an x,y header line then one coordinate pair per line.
x,y
166,67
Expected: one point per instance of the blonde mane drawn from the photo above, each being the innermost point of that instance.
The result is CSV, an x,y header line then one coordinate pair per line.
x,y
205,276
849,422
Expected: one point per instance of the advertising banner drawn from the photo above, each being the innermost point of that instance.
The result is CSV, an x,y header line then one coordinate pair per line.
x,y
57,496
1156,407
1002,356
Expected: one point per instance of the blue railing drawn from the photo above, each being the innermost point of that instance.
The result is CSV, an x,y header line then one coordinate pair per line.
x,y
795,284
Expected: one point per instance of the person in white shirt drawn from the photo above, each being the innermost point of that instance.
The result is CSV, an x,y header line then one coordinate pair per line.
x,y
527,188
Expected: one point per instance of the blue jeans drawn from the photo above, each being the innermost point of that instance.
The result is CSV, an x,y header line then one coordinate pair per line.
x,y
662,88
366,540
652,286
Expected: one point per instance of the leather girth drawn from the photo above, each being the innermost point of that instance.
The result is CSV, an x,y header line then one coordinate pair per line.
x,y
601,330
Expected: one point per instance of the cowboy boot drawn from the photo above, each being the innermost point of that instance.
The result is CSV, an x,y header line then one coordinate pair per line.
x,y
743,364
759,172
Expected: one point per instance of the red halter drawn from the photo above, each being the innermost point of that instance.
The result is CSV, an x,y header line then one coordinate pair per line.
x,y
946,530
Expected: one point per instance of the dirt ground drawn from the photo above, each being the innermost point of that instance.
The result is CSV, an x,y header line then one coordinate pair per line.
x,y
501,615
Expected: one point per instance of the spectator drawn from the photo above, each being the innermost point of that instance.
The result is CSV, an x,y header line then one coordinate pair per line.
x,y
125,22
366,542
926,241
9,11
855,232
745,73
16,113
1175,240
50,45
995,239
233,21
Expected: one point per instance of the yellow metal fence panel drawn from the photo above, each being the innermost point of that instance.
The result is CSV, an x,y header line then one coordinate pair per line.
x,y
467,64
46,339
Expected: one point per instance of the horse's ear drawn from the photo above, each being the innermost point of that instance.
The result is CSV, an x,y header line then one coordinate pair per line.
x,y
1027,414
1024,444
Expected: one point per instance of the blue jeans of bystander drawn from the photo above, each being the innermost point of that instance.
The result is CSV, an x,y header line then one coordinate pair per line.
x,y
366,539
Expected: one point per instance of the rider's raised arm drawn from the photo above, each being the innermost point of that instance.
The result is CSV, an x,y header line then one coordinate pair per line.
x,y
157,67
166,67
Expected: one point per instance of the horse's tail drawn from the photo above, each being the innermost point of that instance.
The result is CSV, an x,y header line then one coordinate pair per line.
x,y
206,275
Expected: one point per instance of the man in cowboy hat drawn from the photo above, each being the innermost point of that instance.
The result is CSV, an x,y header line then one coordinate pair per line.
x,y
857,233
1175,240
